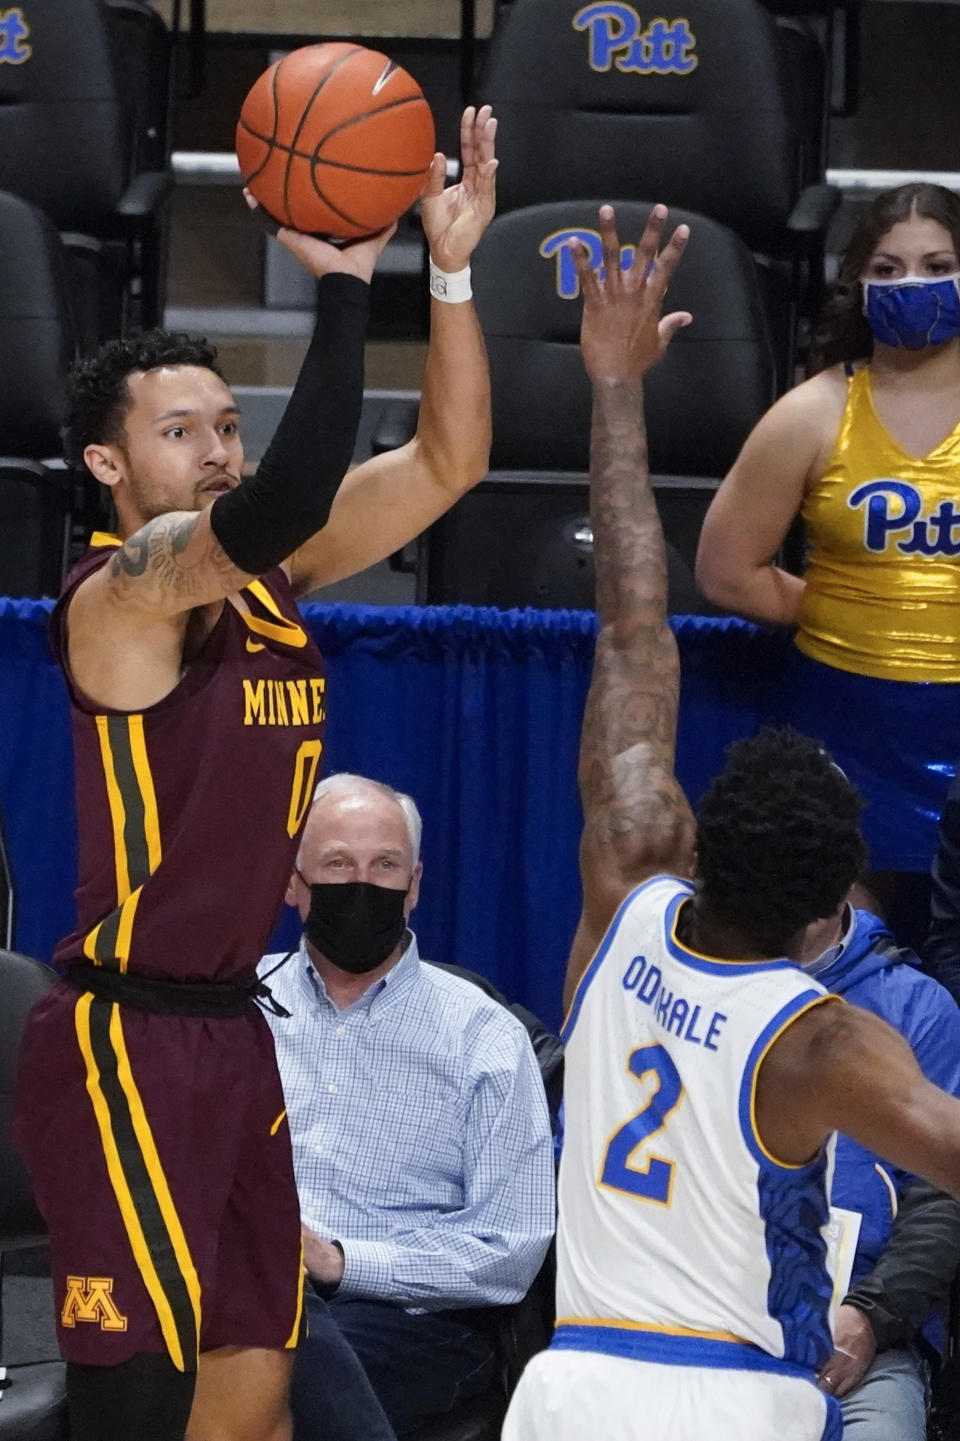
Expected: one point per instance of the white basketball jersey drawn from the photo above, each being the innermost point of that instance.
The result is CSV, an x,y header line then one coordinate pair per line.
x,y
675,1224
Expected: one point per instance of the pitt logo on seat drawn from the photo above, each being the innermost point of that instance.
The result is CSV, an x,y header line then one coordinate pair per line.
x,y
89,1298
13,33
558,245
664,48
928,534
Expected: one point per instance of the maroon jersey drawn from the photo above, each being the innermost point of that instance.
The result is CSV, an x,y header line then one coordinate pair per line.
x,y
189,812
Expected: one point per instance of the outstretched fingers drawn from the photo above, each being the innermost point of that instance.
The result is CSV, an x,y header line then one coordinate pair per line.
x,y
648,246
436,177
670,324
485,132
468,140
659,276
590,286
607,225
478,134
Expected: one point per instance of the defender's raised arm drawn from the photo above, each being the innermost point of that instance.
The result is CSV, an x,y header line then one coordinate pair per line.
x,y
636,817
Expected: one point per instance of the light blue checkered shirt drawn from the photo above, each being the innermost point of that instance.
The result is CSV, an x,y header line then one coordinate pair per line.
x,y
421,1138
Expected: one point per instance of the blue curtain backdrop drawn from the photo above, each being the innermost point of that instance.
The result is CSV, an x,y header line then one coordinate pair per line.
x,y
475,712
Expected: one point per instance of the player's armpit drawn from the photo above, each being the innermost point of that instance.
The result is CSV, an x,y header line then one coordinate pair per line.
x,y
841,1068
171,565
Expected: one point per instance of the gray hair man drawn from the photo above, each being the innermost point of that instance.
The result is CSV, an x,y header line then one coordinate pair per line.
x,y
420,1132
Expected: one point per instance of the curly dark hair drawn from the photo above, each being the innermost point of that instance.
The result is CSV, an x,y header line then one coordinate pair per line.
x,y
778,837
98,397
843,333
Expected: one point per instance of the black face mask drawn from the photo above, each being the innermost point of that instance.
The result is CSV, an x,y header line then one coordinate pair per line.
x,y
354,924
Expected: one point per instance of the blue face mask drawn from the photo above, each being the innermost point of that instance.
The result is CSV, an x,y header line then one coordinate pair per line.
x,y
913,313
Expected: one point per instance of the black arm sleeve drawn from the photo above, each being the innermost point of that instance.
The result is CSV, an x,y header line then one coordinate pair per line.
x,y
941,954
266,518
913,1275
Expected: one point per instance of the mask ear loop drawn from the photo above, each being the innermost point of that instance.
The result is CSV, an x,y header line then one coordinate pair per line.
x,y
261,994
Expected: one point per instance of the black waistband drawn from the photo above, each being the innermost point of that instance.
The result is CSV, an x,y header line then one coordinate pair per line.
x,y
171,998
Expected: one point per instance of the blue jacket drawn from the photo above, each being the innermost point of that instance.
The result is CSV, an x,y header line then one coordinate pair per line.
x,y
873,974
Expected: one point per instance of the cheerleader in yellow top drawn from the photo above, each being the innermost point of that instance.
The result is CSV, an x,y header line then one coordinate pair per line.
x,y
868,452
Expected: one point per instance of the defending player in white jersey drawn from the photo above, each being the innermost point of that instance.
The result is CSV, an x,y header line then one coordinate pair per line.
x,y
705,1071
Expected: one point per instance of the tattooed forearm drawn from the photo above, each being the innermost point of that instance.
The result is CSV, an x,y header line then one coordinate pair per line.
x,y
632,803
629,553
157,552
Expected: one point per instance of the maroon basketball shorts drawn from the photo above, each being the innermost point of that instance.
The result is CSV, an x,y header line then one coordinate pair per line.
x,y
159,1151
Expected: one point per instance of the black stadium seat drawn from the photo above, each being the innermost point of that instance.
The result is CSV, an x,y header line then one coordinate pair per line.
x,y
522,537
704,119
716,380
834,26
142,58
701,112
37,345
69,143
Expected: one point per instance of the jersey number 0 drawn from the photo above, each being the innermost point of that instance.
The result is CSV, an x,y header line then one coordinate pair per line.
x,y
304,775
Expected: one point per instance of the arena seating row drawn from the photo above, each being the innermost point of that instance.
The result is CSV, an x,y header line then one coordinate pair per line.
x,y
84,136
514,540
84,185
711,113
723,115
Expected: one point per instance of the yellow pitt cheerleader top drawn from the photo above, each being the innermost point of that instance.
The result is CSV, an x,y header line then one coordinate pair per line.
x,y
883,578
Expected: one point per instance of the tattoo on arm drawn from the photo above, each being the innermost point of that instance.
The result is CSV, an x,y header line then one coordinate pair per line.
x,y
632,803
157,551
131,558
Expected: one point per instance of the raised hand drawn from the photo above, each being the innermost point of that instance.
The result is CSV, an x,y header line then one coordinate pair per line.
x,y
357,257
622,334
455,218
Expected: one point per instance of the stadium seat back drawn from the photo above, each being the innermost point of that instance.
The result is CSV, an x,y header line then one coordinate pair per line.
x,y
36,325
695,111
703,398
38,346
63,141
140,44
82,97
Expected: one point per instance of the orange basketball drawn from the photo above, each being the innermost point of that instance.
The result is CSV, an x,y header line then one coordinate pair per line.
x,y
335,140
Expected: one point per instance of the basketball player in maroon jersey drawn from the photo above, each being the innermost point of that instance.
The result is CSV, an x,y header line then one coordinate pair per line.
x,y
149,1107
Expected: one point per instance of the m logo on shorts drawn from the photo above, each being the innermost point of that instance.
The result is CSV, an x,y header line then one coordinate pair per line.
x,y
89,1298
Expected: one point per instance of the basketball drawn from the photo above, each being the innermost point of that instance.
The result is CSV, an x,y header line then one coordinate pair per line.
x,y
335,140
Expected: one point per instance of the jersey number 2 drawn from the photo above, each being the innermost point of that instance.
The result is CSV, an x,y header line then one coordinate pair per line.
x,y
654,1180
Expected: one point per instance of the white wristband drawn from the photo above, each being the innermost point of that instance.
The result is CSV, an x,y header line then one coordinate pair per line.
x,y
450,286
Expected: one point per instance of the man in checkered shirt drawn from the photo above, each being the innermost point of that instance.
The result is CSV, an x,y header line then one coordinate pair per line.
x,y
420,1132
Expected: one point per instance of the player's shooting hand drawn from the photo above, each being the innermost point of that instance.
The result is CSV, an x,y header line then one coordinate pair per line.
x,y
455,218
322,1260
357,257
622,333
854,1347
